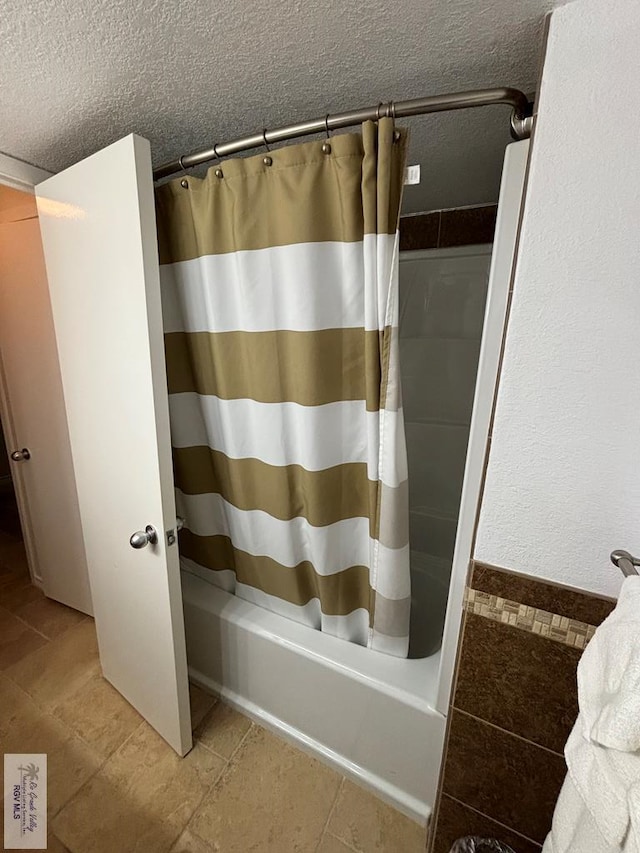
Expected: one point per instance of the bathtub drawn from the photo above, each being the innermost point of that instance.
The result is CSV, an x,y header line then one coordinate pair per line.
x,y
368,715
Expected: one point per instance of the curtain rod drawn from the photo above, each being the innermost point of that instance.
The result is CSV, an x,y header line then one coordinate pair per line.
x,y
521,123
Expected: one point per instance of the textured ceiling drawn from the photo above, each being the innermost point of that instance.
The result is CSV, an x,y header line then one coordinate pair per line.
x,y
77,75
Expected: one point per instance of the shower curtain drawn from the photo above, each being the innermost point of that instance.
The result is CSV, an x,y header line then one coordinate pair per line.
x,y
279,278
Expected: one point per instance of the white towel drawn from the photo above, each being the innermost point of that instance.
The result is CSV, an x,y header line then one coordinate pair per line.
x,y
573,827
597,811
634,811
609,676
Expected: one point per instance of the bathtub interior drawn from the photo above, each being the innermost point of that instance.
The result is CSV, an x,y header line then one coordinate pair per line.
x,y
442,302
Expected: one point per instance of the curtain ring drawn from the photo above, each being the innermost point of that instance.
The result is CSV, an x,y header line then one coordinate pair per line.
x,y
392,110
218,172
264,139
378,111
184,183
326,146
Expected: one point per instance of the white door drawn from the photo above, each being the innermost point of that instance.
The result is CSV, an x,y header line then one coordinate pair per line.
x,y
32,408
98,229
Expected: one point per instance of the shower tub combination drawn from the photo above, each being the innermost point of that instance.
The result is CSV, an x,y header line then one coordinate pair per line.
x,y
377,718
374,717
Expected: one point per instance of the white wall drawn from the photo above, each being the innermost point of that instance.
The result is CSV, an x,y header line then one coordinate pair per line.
x,y
563,482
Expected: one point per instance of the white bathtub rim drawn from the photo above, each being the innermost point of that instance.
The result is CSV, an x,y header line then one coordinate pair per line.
x,y
307,642
415,809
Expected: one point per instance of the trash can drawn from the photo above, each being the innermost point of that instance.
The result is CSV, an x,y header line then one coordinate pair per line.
x,y
474,844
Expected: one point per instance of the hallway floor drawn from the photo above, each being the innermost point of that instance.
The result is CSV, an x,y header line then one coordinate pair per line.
x,y
115,786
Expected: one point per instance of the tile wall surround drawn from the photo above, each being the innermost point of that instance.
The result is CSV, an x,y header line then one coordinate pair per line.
x,y
514,704
439,229
442,300
561,629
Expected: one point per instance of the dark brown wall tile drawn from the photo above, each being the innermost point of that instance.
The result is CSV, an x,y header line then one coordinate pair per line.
x,y
420,231
545,596
518,681
509,779
456,820
466,227
447,228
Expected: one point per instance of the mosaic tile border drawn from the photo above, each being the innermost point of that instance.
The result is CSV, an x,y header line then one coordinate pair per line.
x,y
569,632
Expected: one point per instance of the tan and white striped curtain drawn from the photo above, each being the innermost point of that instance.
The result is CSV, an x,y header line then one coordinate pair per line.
x,y
280,298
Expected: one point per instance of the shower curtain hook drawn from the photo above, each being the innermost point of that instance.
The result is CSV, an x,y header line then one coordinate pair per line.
x,y
264,139
184,183
392,111
218,172
326,146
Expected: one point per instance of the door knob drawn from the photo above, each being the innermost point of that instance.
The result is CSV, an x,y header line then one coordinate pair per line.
x,y
144,537
21,455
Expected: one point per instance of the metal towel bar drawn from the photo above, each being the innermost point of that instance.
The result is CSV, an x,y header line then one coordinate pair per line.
x,y
625,562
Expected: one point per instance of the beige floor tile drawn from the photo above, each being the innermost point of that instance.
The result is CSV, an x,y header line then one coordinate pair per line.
x,y
272,798
367,824
16,590
53,672
99,715
17,640
329,844
201,703
190,843
223,730
140,800
26,728
49,617
54,845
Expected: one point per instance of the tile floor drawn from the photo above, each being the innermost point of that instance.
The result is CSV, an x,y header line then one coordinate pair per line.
x,y
115,786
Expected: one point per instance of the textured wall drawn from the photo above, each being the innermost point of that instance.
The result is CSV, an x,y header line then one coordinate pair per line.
x,y
78,75
563,487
